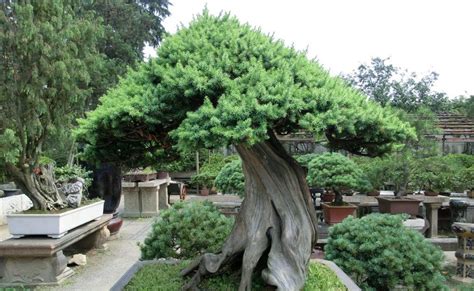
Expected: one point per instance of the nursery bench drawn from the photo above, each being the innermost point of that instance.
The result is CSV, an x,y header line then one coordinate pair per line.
x,y
39,260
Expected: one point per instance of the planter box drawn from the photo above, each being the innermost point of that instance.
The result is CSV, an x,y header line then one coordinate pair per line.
x,y
127,277
336,214
53,225
395,205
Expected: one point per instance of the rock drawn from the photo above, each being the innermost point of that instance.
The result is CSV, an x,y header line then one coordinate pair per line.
x,y
78,259
17,203
2,193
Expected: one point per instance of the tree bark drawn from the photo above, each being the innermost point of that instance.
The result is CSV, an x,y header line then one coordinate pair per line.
x,y
276,226
40,188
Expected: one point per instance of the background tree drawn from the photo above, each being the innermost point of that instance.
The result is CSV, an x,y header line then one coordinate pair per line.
x,y
45,59
218,83
128,25
463,105
390,85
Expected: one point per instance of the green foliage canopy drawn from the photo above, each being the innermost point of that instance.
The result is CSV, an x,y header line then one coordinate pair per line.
x,y
47,54
219,82
334,170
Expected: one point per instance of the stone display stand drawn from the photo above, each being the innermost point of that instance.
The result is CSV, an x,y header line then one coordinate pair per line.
x,y
464,252
145,199
431,204
35,260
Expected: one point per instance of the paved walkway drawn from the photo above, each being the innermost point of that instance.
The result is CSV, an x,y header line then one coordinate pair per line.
x,y
105,267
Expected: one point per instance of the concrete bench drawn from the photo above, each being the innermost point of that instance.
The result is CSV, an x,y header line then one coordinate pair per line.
x,y
38,260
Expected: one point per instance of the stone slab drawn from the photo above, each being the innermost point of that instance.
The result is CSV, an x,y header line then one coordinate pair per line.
x,y
447,244
39,246
154,183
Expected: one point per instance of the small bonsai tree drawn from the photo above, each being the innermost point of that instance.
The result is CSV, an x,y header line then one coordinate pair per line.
x,y
231,179
379,252
335,172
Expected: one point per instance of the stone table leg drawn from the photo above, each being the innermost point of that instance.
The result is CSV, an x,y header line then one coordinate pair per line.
x,y
163,194
132,199
432,216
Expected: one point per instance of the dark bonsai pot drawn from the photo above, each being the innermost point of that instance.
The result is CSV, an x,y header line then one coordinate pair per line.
x,y
373,193
328,196
107,185
11,192
445,193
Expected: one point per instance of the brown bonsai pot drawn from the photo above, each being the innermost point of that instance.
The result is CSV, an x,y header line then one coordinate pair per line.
x,y
396,205
373,193
430,193
139,177
328,196
205,191
335,214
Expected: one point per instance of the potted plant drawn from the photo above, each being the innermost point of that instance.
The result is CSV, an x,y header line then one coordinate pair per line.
x,y
209,171
57,222
138,175
336,172
205,180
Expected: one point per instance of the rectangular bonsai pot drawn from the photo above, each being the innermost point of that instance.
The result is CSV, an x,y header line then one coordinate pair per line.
x,y
395,205
53,225
335,214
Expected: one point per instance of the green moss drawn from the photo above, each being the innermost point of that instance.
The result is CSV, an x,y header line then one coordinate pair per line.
x,y
166,277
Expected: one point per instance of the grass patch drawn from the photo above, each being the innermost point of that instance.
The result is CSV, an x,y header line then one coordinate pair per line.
x,y
167,278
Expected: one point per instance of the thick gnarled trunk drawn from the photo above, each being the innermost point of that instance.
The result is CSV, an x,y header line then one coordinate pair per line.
x,y
276,226
39,186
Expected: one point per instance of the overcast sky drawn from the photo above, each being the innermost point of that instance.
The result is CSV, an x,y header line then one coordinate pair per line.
x,y
418,35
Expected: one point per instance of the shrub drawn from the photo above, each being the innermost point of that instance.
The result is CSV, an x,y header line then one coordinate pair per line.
x,y
231,179
186,230
377,251
211,169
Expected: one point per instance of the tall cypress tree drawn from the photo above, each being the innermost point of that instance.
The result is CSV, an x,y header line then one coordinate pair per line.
x,y
47,54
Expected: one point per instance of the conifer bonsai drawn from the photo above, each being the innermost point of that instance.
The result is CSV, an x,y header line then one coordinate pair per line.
x,y
335,172
218,83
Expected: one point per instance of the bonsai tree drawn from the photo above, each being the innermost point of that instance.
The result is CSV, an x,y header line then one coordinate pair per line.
x,y
335,172
218,83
